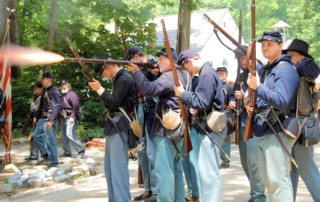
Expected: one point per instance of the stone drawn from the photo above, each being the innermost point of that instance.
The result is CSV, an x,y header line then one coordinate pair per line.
x,y
35,182
74,174
14,178
11,168
61,178
7,188
52,172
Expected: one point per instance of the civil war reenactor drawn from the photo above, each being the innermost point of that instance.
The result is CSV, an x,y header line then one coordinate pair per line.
x,y
304,155
46,129
190,160
275,87
227,89
69,120
168,166
145,109
207,98
35,116
117,128
248,150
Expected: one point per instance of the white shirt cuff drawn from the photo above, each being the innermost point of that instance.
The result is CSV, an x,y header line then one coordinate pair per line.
x,y
100,91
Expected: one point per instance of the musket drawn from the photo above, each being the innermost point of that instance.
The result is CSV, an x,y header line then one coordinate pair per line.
x,y
248,131
236,43
124,43
238,86
105,62
25,126
210,137
183,110
85,70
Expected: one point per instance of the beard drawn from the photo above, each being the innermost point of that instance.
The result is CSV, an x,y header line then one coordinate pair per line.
x,y
64,91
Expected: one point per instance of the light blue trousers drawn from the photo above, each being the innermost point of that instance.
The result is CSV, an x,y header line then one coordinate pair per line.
x,y
190,165
308,170
274,164
34,150
169,171
147,156
116,168
209,170
69,137
46,139
250,163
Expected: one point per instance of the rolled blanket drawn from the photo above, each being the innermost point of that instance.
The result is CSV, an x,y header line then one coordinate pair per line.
x,y
308,68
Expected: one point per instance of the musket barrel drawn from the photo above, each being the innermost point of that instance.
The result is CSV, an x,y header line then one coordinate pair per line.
x,y
115,62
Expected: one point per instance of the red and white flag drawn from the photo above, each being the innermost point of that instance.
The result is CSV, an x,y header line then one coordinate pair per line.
x,y
5,85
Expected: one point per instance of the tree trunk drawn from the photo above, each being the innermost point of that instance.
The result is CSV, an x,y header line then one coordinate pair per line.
x,y
184,21
14,30
3,19
14,33
52,25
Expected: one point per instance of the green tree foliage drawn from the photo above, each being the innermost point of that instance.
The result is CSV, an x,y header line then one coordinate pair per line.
x,y
84,22
304,17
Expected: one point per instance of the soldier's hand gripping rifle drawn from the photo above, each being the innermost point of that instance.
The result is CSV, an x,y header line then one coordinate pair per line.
x,y
251,104
85,70
183,110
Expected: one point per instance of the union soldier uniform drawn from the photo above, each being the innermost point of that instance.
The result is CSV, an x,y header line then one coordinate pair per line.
x,y
277,88
208,96
190,161
304,156
116,129
44,136
35,114
145,113
226,145
168,166
248,150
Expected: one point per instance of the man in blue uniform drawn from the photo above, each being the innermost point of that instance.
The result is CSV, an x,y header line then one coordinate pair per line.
x,y
145,111
70,107
168,166
190,161
304,156
116,128
275,87
247,150
226,146
46,129
35,116
208,95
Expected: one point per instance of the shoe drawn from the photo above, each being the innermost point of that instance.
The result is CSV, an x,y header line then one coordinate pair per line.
x,y
65,155
224,165
53,165
153,198
192,198
45,160
81,153
30,159
143,196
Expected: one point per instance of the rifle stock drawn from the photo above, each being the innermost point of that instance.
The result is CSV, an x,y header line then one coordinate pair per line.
x,y
25,126
236,43
187,140
85,70
248,132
